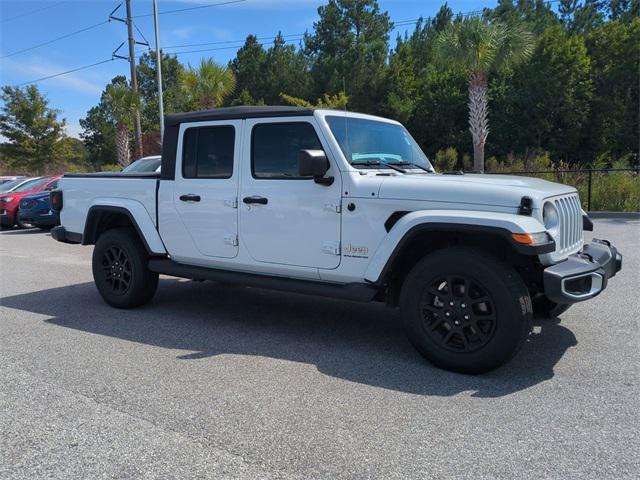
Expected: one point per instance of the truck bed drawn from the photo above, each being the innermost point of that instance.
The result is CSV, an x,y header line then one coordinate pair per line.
x,y
82,191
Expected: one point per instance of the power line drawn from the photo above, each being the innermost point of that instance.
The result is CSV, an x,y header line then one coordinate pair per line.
x,y
48,42
188,9
223,42
227,48
65,73
90,27
299,36
33,11
142,35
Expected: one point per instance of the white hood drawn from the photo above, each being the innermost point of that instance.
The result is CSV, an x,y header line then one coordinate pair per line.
x,y
498,190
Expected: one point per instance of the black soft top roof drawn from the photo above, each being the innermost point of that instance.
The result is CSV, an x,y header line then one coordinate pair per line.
x,y
232,113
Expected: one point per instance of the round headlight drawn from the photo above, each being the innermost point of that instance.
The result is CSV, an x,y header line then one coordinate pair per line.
x,y
550,216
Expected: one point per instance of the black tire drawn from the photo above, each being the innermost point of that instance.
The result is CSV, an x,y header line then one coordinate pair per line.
x,y
545,308
120,269
20,224
465,310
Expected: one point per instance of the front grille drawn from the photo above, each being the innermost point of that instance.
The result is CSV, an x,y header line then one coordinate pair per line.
x,y
570,229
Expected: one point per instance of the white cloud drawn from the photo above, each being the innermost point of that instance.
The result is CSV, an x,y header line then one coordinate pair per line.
x,y
73,130
222,34
183,32
35,68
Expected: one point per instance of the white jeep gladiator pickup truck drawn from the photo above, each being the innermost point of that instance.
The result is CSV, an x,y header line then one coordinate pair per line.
x,y
342,205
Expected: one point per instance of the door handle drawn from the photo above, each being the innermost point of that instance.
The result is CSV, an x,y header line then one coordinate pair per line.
x,y
191,197
256,199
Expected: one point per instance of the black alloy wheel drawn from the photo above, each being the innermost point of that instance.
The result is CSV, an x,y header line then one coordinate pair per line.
x,y
120,269
458,313
465,310
117,269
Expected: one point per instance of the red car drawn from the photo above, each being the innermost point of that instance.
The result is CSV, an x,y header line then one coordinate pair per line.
x,y
9,201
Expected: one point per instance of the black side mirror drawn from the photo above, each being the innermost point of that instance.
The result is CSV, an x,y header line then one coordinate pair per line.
x,y
314,163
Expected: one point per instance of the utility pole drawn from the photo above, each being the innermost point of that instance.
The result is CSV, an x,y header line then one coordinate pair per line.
x,y
137,127
158,68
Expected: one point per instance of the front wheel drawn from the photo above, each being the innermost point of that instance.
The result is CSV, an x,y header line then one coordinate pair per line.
x,y
120,269
465,310
22,225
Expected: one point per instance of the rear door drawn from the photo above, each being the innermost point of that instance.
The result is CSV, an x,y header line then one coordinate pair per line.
x,y
206,188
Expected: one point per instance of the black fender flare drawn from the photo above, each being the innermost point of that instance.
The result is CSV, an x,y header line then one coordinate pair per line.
x,y
95,215
455,228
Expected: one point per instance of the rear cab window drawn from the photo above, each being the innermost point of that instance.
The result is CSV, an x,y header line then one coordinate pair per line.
x,y
208,152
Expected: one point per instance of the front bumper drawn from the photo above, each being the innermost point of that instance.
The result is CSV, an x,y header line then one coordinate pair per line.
x,y
39,218
7,218
583,275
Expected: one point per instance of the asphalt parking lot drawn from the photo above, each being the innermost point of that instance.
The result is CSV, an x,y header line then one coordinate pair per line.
x,y
216,381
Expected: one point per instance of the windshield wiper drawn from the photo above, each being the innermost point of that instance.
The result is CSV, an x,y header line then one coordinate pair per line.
x,y
378,163
411,164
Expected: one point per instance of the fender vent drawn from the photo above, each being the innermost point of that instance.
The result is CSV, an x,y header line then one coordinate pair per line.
x,y
393,219
526,206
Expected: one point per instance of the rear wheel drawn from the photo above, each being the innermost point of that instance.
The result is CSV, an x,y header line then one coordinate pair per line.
x,y
464,310
120,269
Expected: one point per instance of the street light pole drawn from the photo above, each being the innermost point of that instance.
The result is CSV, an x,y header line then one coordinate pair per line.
x,y
158,67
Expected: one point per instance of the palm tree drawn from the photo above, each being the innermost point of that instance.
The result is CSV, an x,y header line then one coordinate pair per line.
x,y
123,103
207,85
478,46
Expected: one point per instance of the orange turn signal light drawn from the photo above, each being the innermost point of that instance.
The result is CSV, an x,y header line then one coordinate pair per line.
x,y
523,238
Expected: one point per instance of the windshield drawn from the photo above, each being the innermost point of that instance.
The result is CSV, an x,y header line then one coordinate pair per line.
x,y
374,143
5,187
144,165
31,184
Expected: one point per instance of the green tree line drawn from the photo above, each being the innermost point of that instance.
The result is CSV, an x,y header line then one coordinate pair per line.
x,y
558,86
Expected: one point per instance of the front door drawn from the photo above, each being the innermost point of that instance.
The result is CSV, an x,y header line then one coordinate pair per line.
x,y
206,188
284,218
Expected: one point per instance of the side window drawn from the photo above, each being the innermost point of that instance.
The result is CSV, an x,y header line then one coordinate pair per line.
x,y
53,185
275,147
208,152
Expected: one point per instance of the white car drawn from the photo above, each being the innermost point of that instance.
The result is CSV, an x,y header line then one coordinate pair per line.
x,y
342,205
150,164
9,178
11,185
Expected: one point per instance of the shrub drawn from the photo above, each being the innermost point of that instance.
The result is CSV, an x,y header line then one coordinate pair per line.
x,y
110,167
446,160
467,163
610,191
492,165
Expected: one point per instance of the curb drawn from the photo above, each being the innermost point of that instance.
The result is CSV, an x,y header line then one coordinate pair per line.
x,y
628,215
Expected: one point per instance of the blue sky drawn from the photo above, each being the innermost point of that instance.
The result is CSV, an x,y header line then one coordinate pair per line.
x,y
24,23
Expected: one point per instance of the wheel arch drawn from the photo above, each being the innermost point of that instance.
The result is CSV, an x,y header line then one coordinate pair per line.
x,y
418,234
101,218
